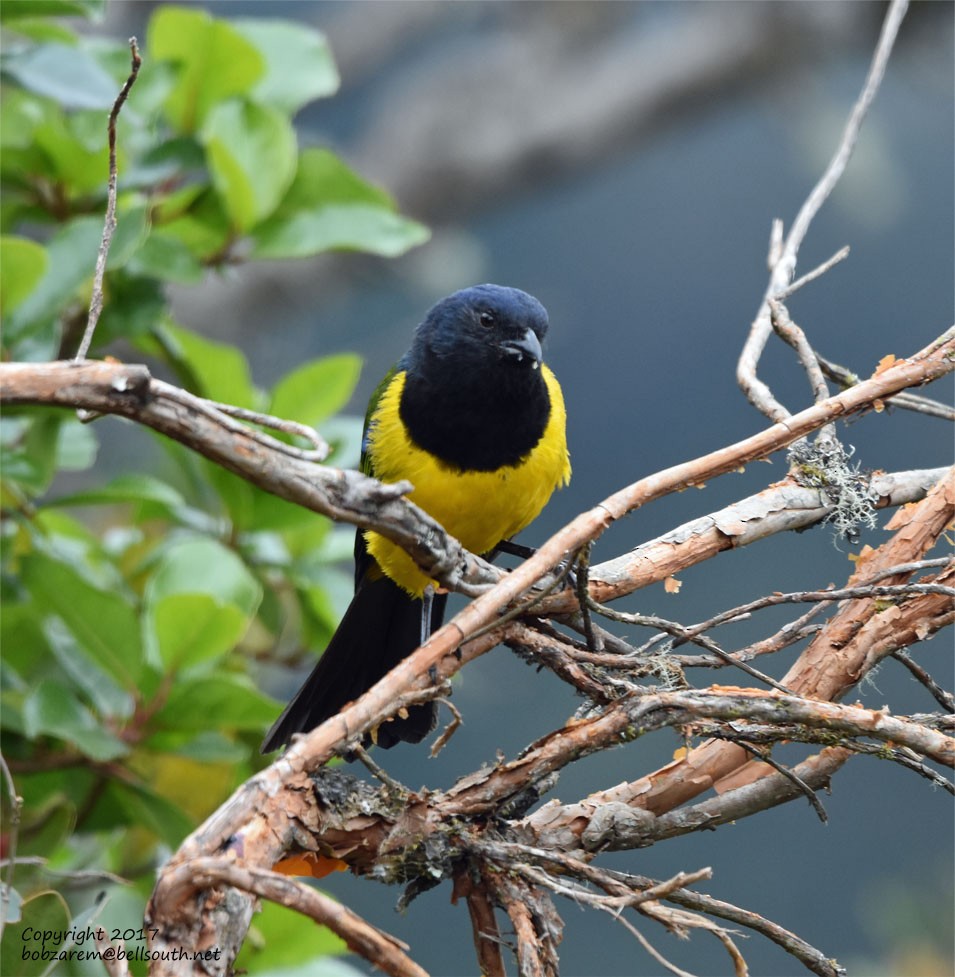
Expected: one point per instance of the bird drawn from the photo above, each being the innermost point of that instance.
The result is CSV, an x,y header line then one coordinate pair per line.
x,y
475,420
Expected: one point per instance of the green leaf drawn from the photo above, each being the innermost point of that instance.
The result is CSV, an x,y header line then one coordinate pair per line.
x,y
20,114
12,902
76,446
28,450
34,448
328,207
67,540
51,8
22,264
298,62
135,306
151,498
65,73
35,445
269,512
236,494
204,566
339,227
24,645
284,939
177,202
206,747
72,256
252,155
316,390
218,371
203,228
51,154
199,603
41,30
49,820
194,628
52,709
344,433
46,910
99,687
325,602
322,178
166,257
146,808
100,620
217,702
126,488
215,62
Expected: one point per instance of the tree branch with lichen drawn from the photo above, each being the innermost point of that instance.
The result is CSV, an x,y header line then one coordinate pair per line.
x,y
502,850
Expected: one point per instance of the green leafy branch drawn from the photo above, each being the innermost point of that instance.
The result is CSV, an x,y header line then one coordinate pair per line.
x,y
140,613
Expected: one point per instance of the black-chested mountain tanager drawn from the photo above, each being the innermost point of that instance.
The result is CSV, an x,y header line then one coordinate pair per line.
x,y
475,421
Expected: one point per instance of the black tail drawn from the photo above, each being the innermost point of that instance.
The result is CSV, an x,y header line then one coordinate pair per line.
x,y
381,627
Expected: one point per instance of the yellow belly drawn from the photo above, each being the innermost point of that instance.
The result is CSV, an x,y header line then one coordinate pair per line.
x,y
478,508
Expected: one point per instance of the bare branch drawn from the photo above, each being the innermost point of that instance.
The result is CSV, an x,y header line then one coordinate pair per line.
x,y
907,401
862,632
352,497
811,958
781,507
685,634
784,253
810,276
796,630
647,945
855,639
109,226
838,163
791,333
283,808
273,465
536,924
615,882
945,699
905,758
766,792
484,928
380,949
637,715
862,591
320,449
765,756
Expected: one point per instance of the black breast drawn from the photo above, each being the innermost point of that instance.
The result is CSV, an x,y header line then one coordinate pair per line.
x,y
477,426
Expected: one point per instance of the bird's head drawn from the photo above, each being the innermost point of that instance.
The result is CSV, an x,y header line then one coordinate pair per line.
x,y
482,322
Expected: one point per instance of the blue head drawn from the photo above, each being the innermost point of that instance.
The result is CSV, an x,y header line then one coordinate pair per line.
x,y
480,324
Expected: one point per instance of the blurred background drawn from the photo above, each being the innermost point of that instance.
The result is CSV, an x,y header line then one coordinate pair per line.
x,y
623,162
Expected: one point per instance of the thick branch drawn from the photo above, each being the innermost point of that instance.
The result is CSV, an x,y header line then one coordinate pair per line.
x,y
862,633
484,929
636,715
913,621
348,496
781,507
380,949
131,392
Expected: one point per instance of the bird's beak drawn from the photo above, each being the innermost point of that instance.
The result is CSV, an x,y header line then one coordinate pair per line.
x,y
527,347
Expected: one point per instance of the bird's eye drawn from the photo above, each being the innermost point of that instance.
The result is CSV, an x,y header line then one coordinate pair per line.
x,y
487,318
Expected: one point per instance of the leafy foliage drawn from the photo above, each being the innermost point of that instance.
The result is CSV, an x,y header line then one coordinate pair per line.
x,y
139,612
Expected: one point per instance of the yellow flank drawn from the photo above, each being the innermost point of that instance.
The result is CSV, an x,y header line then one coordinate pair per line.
x,y
478,508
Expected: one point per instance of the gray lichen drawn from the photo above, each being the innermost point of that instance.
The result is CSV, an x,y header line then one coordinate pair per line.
x,y
824,465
